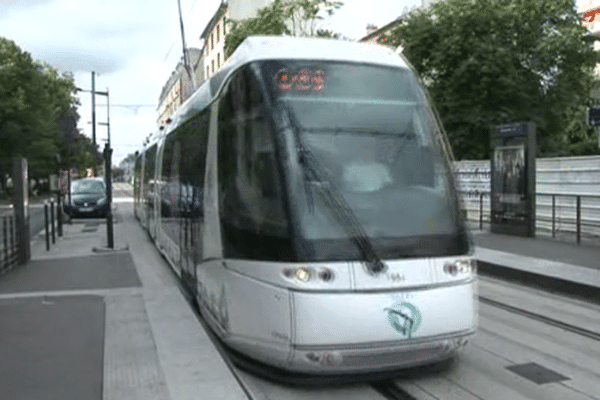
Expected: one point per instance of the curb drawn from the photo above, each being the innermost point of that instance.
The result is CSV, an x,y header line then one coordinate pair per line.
x,y
109,250
580,291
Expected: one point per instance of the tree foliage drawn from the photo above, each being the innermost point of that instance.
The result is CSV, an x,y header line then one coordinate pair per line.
x,y
283,17
34,101
488,62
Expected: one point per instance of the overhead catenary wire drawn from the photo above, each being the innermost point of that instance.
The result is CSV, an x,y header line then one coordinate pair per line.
x,y
175,41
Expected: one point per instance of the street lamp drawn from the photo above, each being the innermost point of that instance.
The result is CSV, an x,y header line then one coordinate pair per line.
x,y
108,173
107,160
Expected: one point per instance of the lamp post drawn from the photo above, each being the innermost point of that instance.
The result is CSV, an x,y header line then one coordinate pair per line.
x,y
108,173
107,165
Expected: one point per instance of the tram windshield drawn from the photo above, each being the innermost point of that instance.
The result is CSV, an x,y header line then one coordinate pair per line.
x,y
367,136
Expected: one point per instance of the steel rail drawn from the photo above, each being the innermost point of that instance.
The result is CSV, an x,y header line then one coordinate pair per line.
x,y
538,317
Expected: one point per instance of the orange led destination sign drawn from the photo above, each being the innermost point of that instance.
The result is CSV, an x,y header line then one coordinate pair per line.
x,y
303,80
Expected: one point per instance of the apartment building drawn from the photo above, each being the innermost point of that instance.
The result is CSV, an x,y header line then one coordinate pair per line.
x,y
374,34
215,31
179,86
207,61
213,51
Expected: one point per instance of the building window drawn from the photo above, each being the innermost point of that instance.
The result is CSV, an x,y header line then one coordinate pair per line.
x,y
224,27
218,32
207,72
218,60
212,65
212,43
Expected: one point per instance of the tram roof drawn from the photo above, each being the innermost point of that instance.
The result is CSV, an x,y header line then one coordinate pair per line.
x,y
256,48
286,47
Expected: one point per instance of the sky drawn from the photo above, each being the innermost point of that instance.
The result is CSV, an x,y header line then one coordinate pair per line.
x,y
133,46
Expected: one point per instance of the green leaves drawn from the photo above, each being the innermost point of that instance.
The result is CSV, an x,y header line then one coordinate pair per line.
x,y
488,62
291,17
33,98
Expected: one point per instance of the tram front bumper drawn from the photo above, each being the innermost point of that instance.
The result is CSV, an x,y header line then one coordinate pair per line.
x,y
380,331
377,357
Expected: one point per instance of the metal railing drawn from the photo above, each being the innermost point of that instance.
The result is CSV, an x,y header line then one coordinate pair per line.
x,y
9,256
556,213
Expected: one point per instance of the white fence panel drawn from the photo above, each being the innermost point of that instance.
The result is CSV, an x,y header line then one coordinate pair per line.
x,y
566,176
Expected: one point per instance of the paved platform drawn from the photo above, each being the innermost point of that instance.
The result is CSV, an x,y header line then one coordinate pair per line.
x,y
84,322
552,264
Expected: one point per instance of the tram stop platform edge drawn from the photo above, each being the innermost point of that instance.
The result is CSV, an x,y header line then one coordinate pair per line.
x,y
553,265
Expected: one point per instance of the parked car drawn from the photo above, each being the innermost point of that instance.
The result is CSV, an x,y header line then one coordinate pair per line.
x,y
88,199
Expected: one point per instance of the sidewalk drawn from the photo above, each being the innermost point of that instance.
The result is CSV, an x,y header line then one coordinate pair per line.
x,y
84,322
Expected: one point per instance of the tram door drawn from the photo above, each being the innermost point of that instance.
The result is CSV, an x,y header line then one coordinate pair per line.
x,y
192,138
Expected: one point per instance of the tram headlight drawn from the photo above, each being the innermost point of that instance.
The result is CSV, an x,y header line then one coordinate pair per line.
x,y
462,267
326,274
303,274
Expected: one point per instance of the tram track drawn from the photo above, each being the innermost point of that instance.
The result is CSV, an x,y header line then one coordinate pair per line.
x,y
391,391
542,318
387,388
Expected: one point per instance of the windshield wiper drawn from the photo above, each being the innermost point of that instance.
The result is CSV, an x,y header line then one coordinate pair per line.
x,y
348,130
330,194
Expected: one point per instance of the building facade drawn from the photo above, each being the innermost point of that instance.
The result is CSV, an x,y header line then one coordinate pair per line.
x,y
179,86
207,61
217,28
375,35
213,36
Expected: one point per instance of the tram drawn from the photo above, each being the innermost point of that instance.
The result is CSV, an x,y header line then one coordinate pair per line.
x,y
304,195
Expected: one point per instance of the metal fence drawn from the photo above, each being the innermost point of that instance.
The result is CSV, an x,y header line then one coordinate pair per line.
x,y
566,216
8,243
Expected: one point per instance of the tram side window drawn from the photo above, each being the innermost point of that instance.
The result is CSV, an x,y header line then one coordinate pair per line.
x,y
169,179
193,139
149,176
252,212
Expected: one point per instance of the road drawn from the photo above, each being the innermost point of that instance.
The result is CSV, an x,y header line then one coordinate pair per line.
x,y
121,192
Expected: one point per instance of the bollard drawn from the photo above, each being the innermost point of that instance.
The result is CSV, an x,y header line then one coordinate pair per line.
x,y
52,221
59,214
553,215
481,211
46,226
12,229
578,219
5,237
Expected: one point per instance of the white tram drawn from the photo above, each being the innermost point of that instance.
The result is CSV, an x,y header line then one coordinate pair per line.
x,y
304,195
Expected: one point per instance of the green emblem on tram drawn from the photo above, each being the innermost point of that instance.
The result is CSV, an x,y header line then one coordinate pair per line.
x,y
405,318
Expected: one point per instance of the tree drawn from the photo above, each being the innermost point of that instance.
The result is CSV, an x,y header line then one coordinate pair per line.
x,y
83,154
283,17
118,174
33,98
488,62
